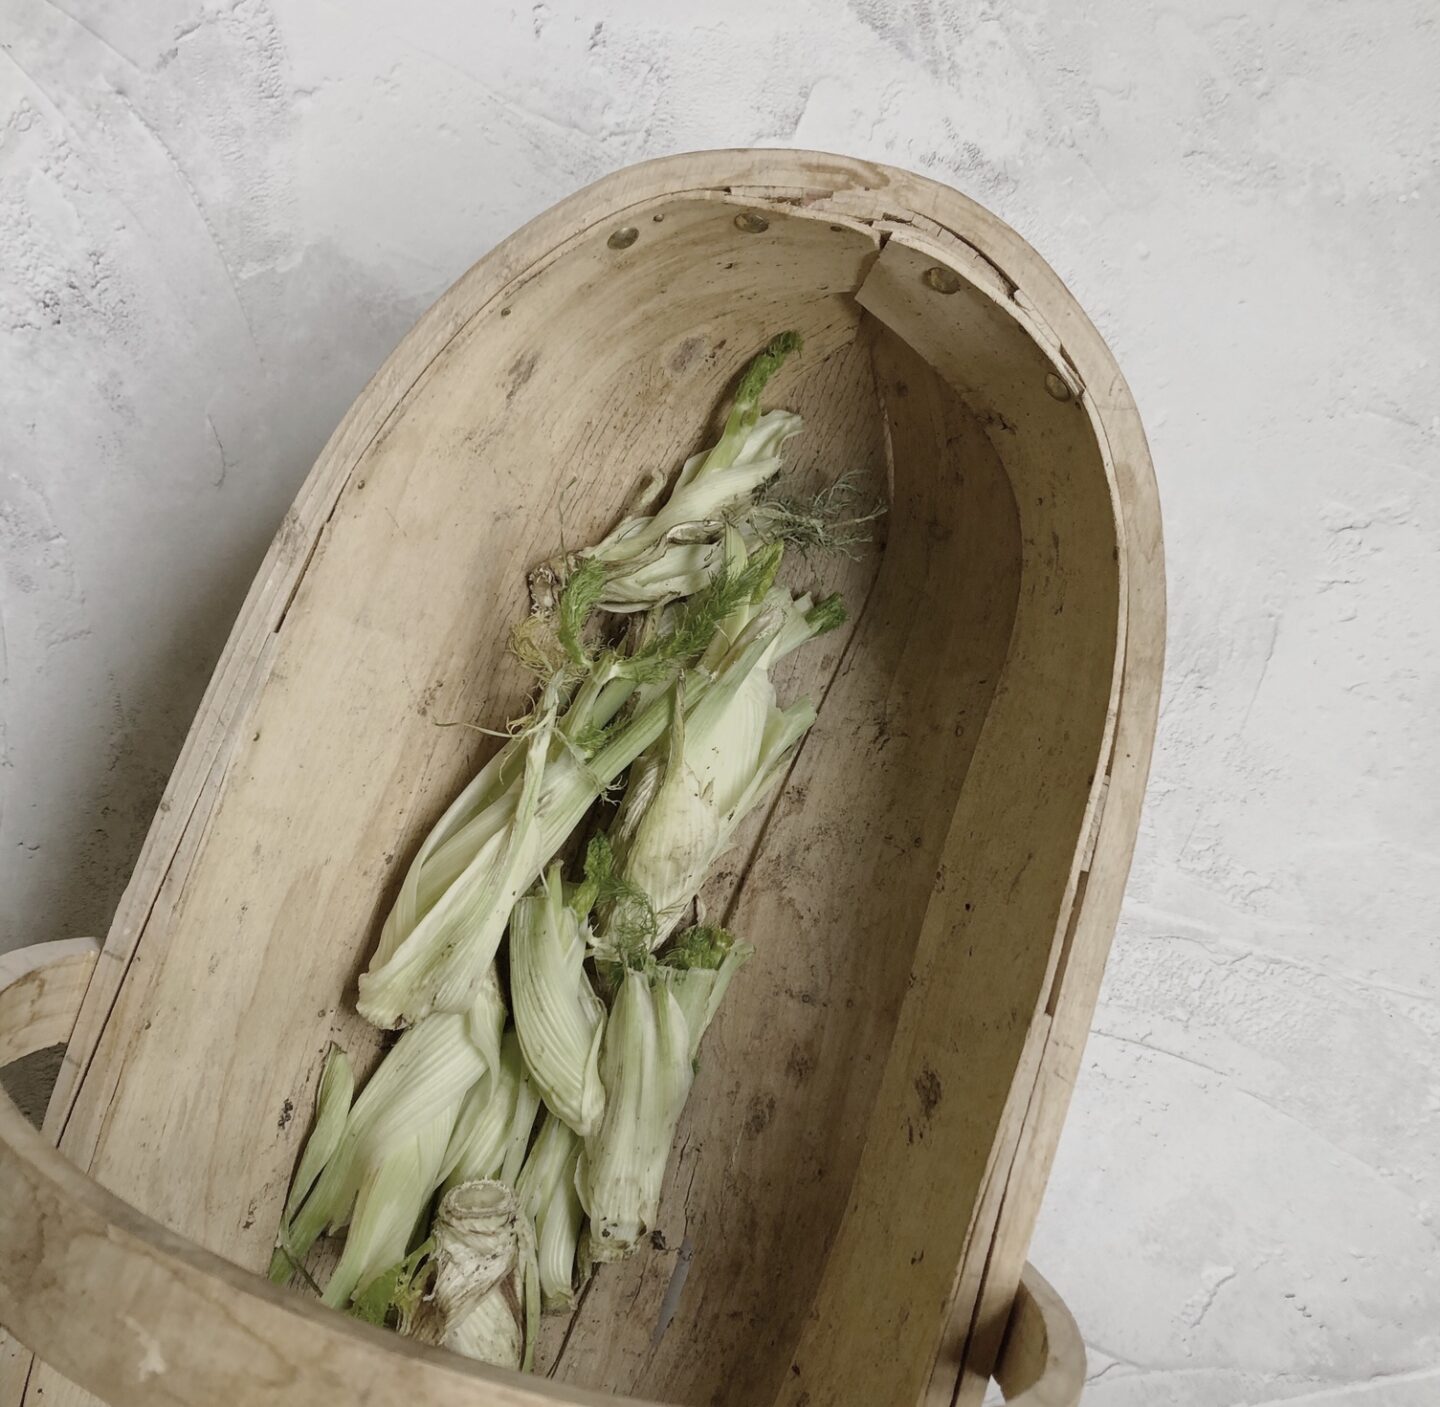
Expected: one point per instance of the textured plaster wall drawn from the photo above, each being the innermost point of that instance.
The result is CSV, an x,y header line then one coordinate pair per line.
x,y
215,221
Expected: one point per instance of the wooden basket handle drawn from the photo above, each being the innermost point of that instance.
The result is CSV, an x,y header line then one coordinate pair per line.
x,y
136,1314
1042,1361
41,988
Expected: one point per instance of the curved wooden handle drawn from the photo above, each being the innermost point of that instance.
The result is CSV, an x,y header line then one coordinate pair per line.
x,y
41,988
1042,1361
135,1314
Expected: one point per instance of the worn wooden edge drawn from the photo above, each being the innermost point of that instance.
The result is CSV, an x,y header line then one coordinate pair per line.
x,y
137,1315
1105,865
1042,1362
41,988
1024,1153
79,1260
816,183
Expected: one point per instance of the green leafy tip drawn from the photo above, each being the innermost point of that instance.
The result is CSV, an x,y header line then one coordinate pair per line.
x,y
762,569
600,876
700,615
702,946
589,738
752,383
631,924
397,1288
826,615
583,591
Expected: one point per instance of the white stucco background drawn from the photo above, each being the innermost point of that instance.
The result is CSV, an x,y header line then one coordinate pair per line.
x,y
216,221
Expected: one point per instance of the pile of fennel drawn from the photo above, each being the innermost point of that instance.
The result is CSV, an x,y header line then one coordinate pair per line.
x,y
518,1130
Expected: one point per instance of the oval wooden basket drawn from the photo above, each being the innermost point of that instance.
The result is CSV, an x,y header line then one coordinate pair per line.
x,y
932,893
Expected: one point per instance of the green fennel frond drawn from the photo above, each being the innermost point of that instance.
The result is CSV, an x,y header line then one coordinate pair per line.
x,y
396,1289
697,619
631,923
583,590
827,614
700,946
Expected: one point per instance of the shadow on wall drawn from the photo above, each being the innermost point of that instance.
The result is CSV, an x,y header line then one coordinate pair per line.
x,y
29,1080
127,768
126,567
207,246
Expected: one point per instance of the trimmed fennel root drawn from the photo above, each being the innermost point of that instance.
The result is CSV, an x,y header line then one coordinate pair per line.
x,y
482,1295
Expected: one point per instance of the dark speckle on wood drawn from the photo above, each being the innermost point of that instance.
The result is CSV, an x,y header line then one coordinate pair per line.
x,y
521,370
287,1112
762,1110
685,355
428,696
799,1065
927,1086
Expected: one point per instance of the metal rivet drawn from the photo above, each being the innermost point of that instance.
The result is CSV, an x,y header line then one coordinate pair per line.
x,y
1057,387
941,279
623,238
751,223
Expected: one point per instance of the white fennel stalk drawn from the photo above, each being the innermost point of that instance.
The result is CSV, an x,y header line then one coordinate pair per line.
x,y
493,1129
439,964
721,757
646,1066
651,558
548,1196
698,967
389,1157
558,1016
332,1105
